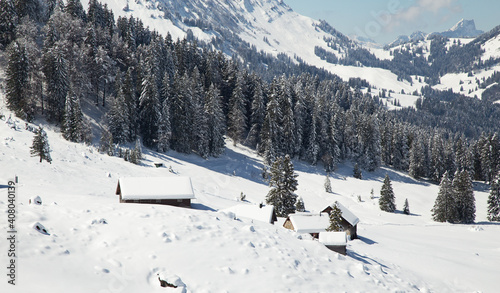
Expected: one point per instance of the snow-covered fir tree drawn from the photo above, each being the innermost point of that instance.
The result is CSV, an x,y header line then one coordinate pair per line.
x,y
236,123
283,183
118,118
299,205
494,200
444,206
17,80
406,208
286,121
136,154
131,102
75,9
201,139
356,172
56,79
8,21
149,107
106,142
370,136
40,147
328,184
438,167
463,193
335,219
258,113
417,155
182,113
164,128
490,157
215,122
387,200
74,127
270,134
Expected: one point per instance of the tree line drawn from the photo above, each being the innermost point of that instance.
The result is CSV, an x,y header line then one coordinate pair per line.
x,y
184,96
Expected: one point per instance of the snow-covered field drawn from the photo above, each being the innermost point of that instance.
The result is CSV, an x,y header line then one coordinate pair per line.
x,y
96,244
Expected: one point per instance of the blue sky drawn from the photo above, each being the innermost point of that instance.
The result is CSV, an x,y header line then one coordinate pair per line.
x,y
384,20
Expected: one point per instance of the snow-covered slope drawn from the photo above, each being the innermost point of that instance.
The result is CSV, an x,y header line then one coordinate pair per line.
x,y
269,25
95,244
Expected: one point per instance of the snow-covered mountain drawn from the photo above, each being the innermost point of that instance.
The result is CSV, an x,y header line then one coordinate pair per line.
x,y
271,26
416,36
463,29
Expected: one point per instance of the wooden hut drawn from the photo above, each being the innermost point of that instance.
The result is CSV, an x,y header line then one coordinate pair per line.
x,y
349,220
175,191
308,223
336,241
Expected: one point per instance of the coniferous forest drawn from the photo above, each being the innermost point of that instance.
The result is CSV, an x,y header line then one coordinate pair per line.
x,y
186,96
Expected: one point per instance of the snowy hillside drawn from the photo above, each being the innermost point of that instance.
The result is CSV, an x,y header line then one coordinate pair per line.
x,y
269,25
95,244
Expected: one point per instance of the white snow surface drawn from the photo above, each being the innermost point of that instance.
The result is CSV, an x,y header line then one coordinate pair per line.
x,y
333,238
96,244
304,223
172,187
466,85
347,214
251,211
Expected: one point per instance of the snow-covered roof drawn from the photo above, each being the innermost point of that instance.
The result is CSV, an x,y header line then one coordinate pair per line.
x,y
333,238
137,188
347,214
263,214
310,223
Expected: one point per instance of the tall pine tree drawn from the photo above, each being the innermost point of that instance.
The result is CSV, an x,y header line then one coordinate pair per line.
x,y
335,219
40,147
387,200
215,122
465,202
149,105
17,80
283,184
74,127
494,201
444,206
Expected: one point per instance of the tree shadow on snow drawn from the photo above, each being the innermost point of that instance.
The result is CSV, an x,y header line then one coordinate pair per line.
x,y
395,176
481,186
402,213
230,163
486,223
366,240
364,259
160,157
